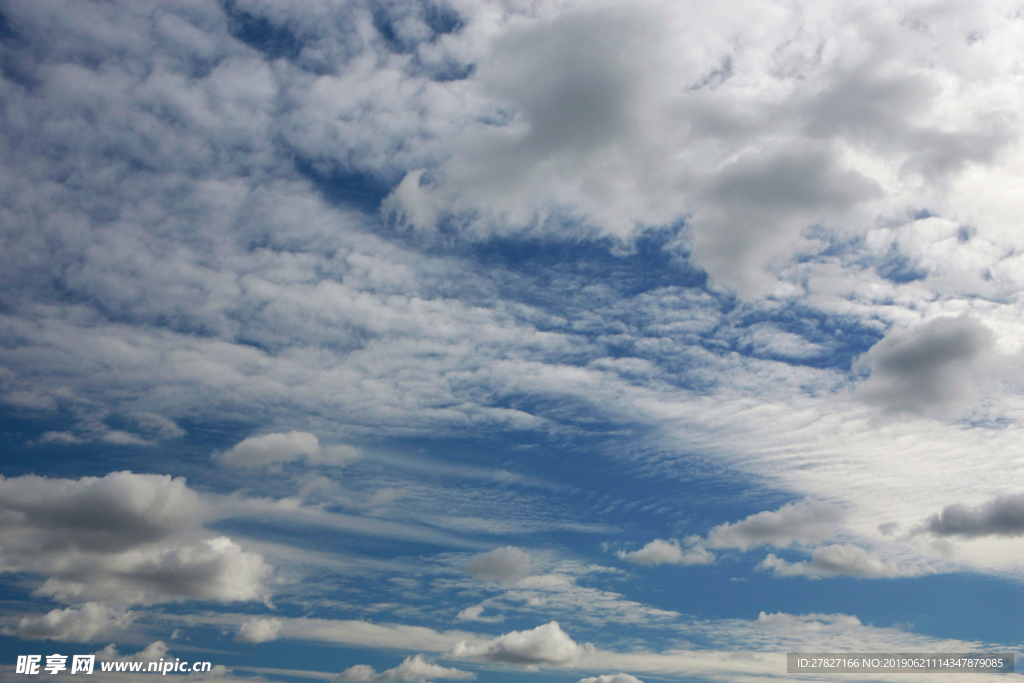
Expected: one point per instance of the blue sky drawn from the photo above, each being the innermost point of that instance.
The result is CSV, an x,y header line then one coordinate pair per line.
x,y
584,342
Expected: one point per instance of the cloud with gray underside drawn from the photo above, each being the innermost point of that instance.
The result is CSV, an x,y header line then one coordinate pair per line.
x,y
1001,516
936,368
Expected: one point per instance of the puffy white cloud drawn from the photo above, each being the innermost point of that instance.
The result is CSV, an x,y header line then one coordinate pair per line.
x,y
260,451
611,678
259,630
547,644
79,624
804,522
1001,516
502,564
669,552
843,559
413,669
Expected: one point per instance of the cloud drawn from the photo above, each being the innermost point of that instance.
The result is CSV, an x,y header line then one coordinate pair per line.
x,y
610,678
1001,516
77,624
757,206
269,449
475,613
803,522
547,644
412,669
151,653
123,538
841,559
935,368
503,564
668,552
115,512
259,630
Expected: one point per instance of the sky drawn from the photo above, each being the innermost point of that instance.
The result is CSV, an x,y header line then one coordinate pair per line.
x,y
526,341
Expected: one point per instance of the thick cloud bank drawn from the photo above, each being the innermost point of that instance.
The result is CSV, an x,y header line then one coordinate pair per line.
x,y
125,539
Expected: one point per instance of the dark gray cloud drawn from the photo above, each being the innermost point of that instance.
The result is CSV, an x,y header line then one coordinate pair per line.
x,y
1001,516
933,368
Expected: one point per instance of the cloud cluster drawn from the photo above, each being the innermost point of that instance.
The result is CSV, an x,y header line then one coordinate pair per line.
x,y
77,624
104,543
611,678
412,670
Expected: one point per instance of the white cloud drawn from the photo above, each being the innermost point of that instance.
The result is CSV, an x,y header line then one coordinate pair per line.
x,y
78,624
260,451
475,613
843,559
547,644
259,630
412,669
151,653
803,522
669,552
502,564
611,678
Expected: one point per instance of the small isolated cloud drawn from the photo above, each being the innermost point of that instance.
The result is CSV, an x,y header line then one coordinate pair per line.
x,y
413,670
504,564
77,624
935,368
270,449
609,678
804,522
475,613
259,631
1001,516
840,559
668,552
547,644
